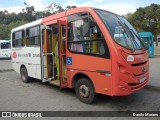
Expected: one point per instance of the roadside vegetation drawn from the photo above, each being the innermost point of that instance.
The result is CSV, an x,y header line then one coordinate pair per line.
x,y
144,19
9,21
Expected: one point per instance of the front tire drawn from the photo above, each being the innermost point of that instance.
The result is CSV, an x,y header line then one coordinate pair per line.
x,y
85,91
24,75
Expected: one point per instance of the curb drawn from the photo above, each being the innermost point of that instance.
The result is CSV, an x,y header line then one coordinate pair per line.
x,y
151,87
6,70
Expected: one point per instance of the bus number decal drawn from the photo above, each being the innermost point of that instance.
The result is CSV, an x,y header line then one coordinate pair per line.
x,y
24,54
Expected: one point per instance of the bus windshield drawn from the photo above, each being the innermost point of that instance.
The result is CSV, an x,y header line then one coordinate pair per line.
x,y
121,30
5,45
146,41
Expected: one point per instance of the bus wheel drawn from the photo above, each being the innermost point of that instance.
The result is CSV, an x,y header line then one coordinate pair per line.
x,y
85,91
24,75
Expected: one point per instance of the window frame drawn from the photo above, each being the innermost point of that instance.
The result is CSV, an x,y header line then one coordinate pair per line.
x,y
73,18
22,39
128,31
5,43
29,38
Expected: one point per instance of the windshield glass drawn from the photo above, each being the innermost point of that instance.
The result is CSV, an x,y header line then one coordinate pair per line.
x,y
5,45
121,30
146,41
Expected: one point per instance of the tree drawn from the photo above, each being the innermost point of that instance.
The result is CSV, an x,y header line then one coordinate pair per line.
x,y
5,30
146,19
8,21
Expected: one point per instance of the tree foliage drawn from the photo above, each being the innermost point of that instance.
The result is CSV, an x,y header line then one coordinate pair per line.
x,y
5,29
146,19
8,21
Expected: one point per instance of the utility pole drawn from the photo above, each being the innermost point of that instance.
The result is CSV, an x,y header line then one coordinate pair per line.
x,y
30,10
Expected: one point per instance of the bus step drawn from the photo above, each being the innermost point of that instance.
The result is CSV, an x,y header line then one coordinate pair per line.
x,y
55,82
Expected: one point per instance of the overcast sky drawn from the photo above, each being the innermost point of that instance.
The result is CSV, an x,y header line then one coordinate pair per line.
x,y
120,7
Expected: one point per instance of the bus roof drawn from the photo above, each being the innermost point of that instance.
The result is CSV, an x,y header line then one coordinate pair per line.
x,y
4,41
53,18
50,19
34,23
145,34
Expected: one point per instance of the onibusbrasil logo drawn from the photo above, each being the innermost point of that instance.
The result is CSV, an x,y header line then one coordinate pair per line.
x,y
21,114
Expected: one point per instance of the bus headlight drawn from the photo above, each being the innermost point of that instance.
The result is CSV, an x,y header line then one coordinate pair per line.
x,y
130,58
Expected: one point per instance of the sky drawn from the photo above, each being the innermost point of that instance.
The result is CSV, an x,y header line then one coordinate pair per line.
x,y
120,7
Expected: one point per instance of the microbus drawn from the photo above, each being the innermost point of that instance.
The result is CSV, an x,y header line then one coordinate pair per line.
x,y
5,49
88,49
148,39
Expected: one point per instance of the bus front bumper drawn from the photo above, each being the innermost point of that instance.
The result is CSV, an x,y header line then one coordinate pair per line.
x,y
125,88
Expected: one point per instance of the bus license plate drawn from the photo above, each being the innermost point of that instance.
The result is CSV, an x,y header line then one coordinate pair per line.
x,y
142,79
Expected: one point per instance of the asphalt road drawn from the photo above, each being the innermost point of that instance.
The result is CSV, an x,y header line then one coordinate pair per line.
x,y
154,71
36,96
5,65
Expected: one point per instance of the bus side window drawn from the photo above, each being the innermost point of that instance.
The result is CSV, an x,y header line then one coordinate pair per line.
x,y
18,39
85,37
76,36
32,36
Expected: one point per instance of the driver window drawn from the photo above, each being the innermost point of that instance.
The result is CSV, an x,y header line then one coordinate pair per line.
x,y
85,36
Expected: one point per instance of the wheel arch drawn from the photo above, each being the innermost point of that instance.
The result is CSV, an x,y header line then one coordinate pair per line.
x,y
80,75
22,66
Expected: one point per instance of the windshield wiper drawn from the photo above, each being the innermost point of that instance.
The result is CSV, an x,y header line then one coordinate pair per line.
x,y
132,32
138,39
133,49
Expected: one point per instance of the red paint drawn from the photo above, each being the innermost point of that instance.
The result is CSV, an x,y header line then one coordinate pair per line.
x,y
125,75
14,55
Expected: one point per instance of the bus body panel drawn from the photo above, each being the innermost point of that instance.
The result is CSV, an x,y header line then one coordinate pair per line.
x,y
90,64
30,58
5,53
53,18
31,24
101,82
91,67
148,39
125,88
87,63
128,76
121,77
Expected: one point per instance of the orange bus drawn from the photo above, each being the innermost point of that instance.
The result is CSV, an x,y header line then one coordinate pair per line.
x,y
88,49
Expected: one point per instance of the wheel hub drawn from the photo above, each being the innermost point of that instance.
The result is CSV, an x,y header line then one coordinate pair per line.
x,y
84,91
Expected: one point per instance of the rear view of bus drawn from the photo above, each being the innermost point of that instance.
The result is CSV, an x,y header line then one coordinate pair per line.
x,y
5,49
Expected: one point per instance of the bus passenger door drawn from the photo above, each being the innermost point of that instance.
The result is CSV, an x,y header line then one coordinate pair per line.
x,y
62,52
47,55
